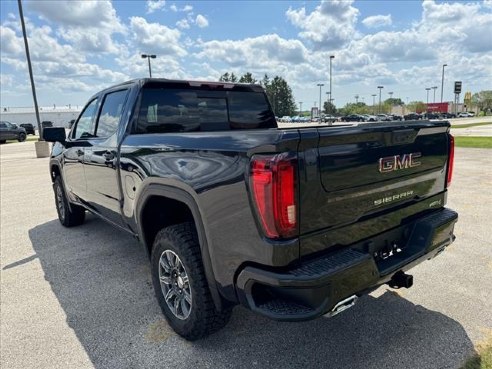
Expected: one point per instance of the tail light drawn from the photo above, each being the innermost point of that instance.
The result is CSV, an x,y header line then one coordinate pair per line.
x,y
273,186
450,161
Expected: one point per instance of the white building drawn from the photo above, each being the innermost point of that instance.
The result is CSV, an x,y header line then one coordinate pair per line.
x,y
59,116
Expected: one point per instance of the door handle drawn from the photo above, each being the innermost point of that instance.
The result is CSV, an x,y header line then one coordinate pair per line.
x,y
108,155
80,152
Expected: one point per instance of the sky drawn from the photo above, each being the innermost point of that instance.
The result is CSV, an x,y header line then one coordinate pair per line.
x,y
80,47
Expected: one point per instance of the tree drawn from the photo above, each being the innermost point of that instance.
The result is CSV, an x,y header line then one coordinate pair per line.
x,y
357,108
417,106
483,100
247,78
393,101
280,95
226,77
329,108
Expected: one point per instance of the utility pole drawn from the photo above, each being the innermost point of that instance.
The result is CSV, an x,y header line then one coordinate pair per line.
x,y
29,66
148,57
320,85
442,81
331,93
427,89
434,88
379,109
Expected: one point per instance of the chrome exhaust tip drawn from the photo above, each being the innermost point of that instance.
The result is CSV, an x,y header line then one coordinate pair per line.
x,y
342,306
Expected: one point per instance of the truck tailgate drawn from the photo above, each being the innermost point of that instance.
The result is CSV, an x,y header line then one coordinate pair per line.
x,y
351,174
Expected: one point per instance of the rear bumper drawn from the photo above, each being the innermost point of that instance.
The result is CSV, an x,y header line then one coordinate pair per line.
x,y
314,287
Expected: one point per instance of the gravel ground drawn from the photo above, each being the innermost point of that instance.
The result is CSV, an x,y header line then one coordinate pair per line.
x,y
82,297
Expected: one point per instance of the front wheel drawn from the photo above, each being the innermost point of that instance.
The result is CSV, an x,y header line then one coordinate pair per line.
x,y
180,284
69,216
22,137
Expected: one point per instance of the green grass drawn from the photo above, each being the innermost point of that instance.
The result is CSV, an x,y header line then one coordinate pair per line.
x,y
471,141
468,125
482,359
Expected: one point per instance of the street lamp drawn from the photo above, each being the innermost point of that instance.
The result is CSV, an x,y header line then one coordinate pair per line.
x,y
320,85
331,58
148,57
380,88
356,99
434,88
300,107
374,103
427,89
442,81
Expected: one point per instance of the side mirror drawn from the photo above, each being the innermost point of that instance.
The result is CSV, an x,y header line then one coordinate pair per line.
x,y
54,134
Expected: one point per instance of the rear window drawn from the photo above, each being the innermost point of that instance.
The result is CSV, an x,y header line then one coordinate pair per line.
x,y
189,110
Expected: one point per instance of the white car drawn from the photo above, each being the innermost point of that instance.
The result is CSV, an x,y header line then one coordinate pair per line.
x,y
465,114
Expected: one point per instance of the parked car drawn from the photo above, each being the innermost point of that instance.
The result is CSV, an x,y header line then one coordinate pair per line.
x,y
412,116
395,117
293,224
29,128
465,114
70,124
370,118
353,118
328,119
46,124
431,115
10,131
384,118
448,115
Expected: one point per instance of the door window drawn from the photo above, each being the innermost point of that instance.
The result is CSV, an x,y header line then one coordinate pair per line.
x,y
85,126
110,115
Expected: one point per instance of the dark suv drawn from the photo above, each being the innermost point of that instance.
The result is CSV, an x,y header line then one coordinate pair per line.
x,y
10,131
29,128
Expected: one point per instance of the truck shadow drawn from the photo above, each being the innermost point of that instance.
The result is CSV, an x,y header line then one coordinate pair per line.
x,y
101,279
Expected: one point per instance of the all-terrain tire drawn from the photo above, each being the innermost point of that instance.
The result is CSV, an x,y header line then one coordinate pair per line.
x,y
69,216
203,318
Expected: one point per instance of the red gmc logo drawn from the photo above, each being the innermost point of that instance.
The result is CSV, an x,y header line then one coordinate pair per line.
x,y
397,162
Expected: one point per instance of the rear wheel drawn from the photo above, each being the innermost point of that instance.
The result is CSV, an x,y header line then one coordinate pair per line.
x,y
69,215
2,141
180,284
22,137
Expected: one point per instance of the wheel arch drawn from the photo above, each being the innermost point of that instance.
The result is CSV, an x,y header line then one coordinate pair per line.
x,y
184,204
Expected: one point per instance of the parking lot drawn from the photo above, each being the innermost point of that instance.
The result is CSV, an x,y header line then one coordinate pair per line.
x,y
82,297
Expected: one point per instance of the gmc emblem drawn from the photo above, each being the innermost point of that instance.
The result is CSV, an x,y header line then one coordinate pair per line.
x,y
397,162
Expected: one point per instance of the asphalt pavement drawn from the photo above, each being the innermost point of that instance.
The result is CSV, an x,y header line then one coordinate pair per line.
x,y
82,297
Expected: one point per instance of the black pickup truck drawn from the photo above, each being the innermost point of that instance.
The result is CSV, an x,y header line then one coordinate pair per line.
x,y
292,223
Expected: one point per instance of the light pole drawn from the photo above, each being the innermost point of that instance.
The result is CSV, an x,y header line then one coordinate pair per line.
x,y
148,57
300,107
391,94
28,56
374,104
320,85
331,93
427,89
442,81
356,99
379,109
434,88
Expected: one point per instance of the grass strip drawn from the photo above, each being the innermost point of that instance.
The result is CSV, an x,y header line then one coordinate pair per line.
x,y
472,141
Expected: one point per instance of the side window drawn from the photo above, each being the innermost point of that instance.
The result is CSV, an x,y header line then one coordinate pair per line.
x,y
110,115
85,127
3,125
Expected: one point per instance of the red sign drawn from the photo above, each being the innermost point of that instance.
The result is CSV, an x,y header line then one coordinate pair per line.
x,y
438,107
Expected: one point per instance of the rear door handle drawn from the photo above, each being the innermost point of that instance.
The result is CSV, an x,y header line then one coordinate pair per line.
x,y
80,152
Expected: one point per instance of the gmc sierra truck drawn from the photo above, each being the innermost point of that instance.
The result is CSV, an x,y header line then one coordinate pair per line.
x,y
291,223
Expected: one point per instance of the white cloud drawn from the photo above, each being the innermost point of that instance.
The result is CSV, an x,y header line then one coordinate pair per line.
x,y
201,21
156,38
154,5
88,25
375,21
174,8
183,24
329,26
187,8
